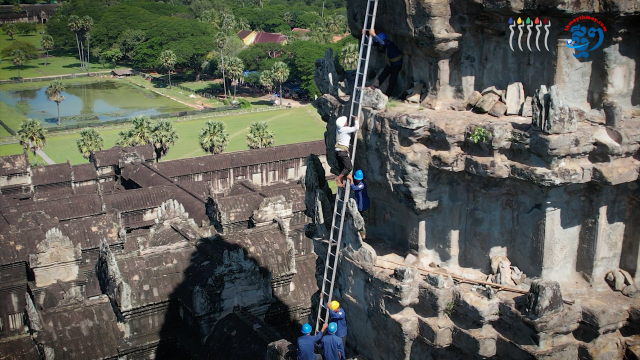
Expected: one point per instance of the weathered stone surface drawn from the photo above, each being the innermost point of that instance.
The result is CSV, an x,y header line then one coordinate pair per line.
x,y
493,90
476,342
473,98
374,98
616,172
415,93
602,316
544,298
475,306
514,98
486,102
436,331
551,114
325,74
612,113
498,109
527,110
440,281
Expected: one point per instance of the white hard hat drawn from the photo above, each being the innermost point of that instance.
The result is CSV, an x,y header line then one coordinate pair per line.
x,y
341,121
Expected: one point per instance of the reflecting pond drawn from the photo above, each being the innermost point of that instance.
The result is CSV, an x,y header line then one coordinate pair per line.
x,y
98,101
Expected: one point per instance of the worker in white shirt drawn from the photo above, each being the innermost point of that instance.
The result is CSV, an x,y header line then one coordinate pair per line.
x,y
343,141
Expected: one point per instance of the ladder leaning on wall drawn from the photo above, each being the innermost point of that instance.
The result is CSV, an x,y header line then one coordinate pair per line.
x,y
342,196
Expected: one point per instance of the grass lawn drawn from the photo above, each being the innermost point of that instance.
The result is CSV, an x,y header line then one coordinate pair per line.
x,y
35,67
13,149
174,93
290,126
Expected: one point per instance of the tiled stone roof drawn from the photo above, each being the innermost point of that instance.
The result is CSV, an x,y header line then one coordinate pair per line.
x,y
51,174
13,164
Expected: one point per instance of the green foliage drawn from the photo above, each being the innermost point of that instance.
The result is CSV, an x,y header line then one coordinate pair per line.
x,y
392,103
479,135
450,308
17,59
24,28
54,93
28,50
167,60
244,103
163,135
10,29
280,74
234,68
266,79
32,136
302,60
138,134
213,137
260,136
90,141
262,56
113,55
129,41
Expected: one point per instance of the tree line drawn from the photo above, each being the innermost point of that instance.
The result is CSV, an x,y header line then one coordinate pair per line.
x,y
162,136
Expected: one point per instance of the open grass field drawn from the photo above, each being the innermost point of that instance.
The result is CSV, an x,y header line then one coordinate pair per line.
x,y
290,126
58,65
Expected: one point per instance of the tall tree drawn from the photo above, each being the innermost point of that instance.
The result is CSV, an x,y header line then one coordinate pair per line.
x,y
280,73
266,79
75,25
32,136
221,42
163,135
10,29
213,138
168,61
54,92
138,134
87,24
90,141
18,59
260,136
234,69
114,54
129,41
47,45
349,55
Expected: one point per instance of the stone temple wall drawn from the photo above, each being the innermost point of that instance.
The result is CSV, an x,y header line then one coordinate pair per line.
x,y
491,236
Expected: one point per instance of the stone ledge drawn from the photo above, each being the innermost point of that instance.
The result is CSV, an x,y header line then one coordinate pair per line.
x,y
481,341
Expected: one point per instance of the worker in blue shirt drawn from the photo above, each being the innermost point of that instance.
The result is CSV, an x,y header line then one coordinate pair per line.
x,y
359,189
306,343
394,60
337,315
332,348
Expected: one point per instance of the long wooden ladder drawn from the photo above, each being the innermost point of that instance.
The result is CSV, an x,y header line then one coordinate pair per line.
x,y
342,196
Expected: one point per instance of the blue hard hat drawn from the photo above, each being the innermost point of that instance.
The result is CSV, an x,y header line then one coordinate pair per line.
x,y
358,175
306,328
382,36
333,327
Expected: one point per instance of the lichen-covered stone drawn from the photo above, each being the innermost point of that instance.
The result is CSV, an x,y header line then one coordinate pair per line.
x,y
544,298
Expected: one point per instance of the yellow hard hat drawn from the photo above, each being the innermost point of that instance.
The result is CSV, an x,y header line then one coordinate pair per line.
x,y
334,305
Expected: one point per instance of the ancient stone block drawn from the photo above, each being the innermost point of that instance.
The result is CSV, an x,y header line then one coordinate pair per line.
x,y
527,109
551,114
415,93
514,98
616,172
433,301
478,342
544,298
498,109
487,166
374,98
476,307
493,90
565,351
602,316
474,98
486,102
439,281
605,347
612,113
436,331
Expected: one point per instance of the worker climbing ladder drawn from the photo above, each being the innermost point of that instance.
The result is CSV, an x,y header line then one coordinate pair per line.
x,y
342,196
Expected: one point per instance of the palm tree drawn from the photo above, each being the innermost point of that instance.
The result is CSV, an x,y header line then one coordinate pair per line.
x,y
213,138
75,25
163,135
47,44
332,24
243,24
54,92
228,22
234,69
266,79
138,134
289,18
18,59
260,136
349,55
168,60
221,42
10,30
90,141
280,73
32,136
87,24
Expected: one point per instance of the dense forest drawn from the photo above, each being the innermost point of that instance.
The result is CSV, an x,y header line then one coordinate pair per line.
x,y
136,32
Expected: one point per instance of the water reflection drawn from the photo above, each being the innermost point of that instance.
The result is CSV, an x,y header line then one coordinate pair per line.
x,y
99,101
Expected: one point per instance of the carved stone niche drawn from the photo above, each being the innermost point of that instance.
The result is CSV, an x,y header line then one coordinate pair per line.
x,y
56,259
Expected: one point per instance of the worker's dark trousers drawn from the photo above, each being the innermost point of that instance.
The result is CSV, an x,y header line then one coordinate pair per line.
x,y
344,344
394,70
